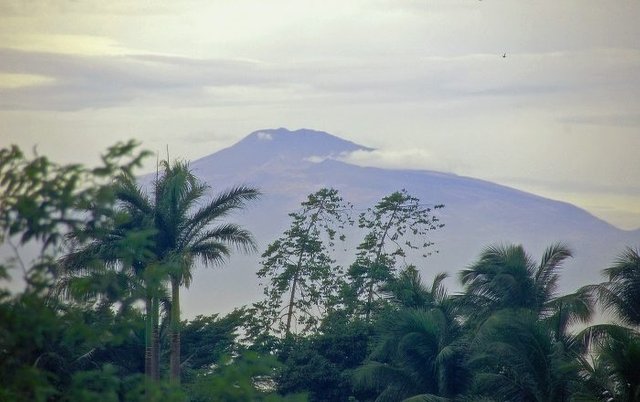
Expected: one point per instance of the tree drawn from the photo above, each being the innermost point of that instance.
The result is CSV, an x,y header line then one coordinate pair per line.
x,y
42,201
506,277
407,290
175,231
621,293
186,232
118,257
299,264
613,372
46,343
420,350
395,225
515,358
206,340
246,378
522,348
322,363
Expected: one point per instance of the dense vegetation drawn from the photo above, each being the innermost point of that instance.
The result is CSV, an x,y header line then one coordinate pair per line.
x,y
98,316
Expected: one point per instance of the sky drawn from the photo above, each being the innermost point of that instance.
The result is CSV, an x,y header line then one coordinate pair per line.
x,y
543,96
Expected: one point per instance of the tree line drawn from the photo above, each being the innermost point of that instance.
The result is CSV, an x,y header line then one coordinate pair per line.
x,y
99,314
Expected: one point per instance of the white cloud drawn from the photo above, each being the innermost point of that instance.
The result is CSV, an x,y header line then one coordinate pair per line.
x,y
396,159
262,136
316,159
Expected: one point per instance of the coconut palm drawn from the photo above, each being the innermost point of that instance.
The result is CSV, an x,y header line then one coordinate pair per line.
x,y
514,357
621,293
407,290
522,348
612,372
420,350
418,353
506,277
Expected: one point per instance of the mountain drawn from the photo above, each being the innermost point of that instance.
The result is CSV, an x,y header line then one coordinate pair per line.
x,y
288,165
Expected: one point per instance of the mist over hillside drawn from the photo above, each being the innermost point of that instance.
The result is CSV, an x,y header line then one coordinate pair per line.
x,y
288,165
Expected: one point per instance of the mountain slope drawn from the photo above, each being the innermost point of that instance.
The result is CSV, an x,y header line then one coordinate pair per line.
x,y
289,165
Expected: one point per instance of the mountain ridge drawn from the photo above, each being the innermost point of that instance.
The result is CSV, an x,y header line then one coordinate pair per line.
x,y
349,146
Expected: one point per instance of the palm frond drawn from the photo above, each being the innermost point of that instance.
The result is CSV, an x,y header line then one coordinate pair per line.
x,y
228,234
621,293
224,203
546,276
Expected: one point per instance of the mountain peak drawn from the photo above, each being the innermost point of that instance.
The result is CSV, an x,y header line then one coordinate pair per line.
x,y
279,144
304,142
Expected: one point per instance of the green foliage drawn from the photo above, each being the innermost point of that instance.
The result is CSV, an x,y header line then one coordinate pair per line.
x,y
322,364
149,240
420,347
94,385
516,358
609,370
621,293
46,344
304,279
205,340
40,199
246,378
505,276
47,348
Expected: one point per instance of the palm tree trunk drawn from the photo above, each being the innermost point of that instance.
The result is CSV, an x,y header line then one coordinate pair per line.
x,y
155,340
148,339
174,361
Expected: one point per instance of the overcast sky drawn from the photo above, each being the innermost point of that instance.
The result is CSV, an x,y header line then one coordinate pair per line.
x,y
539,95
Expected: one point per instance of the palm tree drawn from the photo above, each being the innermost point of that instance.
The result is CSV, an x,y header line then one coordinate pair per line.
x,y
420,351
621,293
515,358
506,277
186,232
418,354
115,262
612,373
522,347
407,290
175,231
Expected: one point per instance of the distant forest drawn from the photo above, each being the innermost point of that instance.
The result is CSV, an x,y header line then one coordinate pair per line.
x,y
103,263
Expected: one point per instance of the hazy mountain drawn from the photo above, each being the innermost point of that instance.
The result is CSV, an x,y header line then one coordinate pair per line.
x,y
288,165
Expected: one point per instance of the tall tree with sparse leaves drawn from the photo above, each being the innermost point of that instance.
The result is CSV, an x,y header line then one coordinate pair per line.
x,y
395,226
304,278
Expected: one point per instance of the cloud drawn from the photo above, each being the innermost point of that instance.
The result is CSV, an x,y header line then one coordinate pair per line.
x,y
92,81
262,136
12,80
85,81
86,7
82,45
396,159
316,159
